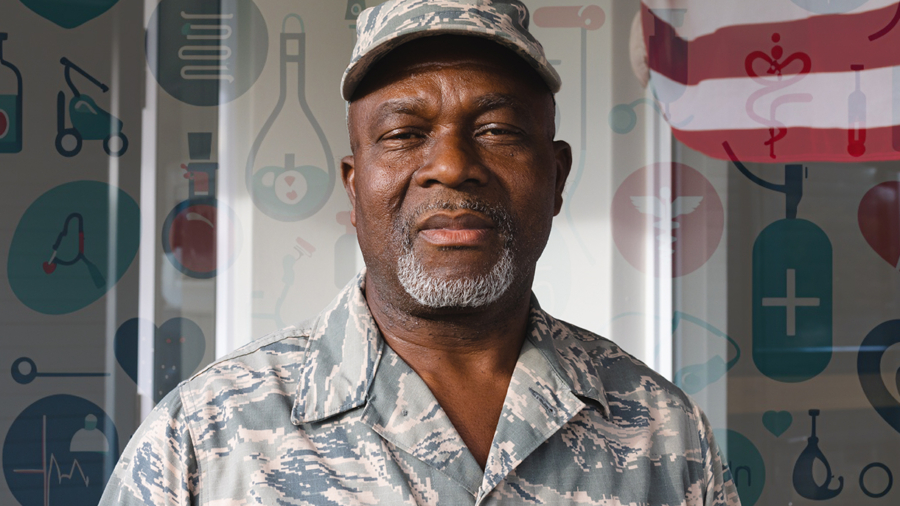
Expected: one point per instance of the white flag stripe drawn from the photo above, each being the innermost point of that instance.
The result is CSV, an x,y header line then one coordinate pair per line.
x,y
725,13
722,104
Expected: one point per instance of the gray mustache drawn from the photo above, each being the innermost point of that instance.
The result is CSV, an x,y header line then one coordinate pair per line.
x,y
502,219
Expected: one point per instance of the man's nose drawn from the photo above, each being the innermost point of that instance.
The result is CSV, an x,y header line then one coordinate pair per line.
x,y
453,161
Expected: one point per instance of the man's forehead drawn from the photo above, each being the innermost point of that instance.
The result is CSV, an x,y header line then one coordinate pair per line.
x,y
417,106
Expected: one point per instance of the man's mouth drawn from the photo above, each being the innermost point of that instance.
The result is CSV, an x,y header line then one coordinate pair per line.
x,y
456,229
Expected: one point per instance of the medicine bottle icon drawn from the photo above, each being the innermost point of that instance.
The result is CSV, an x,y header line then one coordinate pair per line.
x,y
10,104
191,232
283,173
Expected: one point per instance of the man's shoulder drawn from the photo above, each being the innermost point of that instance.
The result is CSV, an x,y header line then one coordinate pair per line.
x,y
290,340
277,355
621,374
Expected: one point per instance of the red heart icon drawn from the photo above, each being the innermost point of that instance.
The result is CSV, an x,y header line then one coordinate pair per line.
x,y
49,268
879,220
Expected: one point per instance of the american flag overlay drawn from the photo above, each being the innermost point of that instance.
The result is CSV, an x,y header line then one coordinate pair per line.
x,y
779,80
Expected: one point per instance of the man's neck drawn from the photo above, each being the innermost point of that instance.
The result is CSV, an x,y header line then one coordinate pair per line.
x,y
478,343
467,360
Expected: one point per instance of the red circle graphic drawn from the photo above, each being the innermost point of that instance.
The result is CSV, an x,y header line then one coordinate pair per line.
x,y
667,212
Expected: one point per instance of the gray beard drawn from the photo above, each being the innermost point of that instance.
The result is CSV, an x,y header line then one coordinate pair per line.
x,y
437,292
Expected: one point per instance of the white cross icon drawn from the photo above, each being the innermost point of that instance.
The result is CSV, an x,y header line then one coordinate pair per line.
x,y
791,302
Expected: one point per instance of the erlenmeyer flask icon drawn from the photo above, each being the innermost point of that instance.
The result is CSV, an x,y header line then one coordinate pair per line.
x,y
283,189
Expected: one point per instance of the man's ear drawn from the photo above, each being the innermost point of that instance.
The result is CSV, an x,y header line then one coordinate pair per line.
x,y
563,156
348,176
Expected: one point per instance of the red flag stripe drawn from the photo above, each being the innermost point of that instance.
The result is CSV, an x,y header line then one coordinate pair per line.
x,y
798,145
830,42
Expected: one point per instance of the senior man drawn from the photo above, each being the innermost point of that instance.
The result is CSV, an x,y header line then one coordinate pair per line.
x,y
435,377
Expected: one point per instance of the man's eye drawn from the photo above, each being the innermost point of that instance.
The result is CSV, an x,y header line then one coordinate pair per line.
x,y
498,131
401,135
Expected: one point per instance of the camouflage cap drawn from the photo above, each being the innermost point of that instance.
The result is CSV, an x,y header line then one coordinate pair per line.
x,y
383,28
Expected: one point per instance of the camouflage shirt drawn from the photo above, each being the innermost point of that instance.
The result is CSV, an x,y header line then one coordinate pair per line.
x,y
324,413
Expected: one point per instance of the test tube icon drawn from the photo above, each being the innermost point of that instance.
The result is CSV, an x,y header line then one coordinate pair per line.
x,y
856,118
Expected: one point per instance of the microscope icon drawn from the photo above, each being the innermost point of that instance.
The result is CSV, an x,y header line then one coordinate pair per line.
x,y
804,482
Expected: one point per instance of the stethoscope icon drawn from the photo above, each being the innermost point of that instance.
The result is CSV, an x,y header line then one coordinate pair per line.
x,y
869,363
586,17
24,371
623,117
804,482
50,265
696,377
890,26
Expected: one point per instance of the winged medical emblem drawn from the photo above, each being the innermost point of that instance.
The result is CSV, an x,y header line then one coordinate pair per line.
x,y
666,210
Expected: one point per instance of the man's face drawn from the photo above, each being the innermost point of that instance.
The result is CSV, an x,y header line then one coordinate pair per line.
x,y
455,176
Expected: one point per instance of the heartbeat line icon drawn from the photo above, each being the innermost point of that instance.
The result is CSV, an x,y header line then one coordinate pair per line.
x,y
47,467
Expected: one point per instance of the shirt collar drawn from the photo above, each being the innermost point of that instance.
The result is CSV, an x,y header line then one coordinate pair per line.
x,y
342,354
561,345
345,347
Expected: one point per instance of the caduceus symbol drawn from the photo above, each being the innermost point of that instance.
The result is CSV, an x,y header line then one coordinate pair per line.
x,y
777,129
666,210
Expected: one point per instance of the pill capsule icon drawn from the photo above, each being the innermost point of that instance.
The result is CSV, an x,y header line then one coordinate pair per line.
x,y
792,300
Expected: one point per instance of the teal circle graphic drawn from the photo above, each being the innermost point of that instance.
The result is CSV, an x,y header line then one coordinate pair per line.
x,y
745,462
830,6
622,118
60,450
207,53
59,260
72,13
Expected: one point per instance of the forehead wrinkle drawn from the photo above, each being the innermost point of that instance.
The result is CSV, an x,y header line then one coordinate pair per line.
x,y
496,100
416,106
408,106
